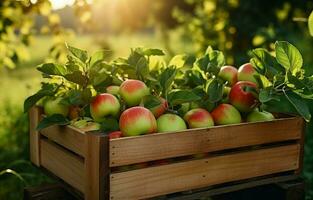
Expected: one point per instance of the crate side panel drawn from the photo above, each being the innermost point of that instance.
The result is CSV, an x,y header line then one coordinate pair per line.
x,y
166,179
68,137
131,150
63,164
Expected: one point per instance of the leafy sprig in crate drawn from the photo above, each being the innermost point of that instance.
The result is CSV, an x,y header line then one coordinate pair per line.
x,y
86,160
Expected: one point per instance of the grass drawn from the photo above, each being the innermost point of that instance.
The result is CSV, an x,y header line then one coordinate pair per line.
x,y
17,84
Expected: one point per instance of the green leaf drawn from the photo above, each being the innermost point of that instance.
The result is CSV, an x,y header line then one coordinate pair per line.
x,y
167,78
182,96
74,97
109,125
12,172
299,104
279,104
142,68
211,62
310,23
266,95
151,101
52,69
76,77
178,61
86,95
214,91
98,57
288,56
56,119
46,90
78,53
153,52
265,63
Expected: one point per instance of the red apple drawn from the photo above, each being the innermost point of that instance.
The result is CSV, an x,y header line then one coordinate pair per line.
x,y
244,101
246,72
259,116
104,105
159,110
226,114
198,118
229,74
132,91
55,106
170,123
137,121
115,134
113,89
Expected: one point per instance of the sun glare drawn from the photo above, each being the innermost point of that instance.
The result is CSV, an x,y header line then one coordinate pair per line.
x,y
59,4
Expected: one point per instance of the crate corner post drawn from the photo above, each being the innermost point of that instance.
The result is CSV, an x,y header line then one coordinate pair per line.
x,y
34,135
97,167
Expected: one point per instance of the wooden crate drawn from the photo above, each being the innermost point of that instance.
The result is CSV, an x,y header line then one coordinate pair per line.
x,y
235,152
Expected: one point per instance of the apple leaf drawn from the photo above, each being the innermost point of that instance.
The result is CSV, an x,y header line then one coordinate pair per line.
x,y
151,101
265,63
178,61
266,95
182,96
142,68
288,56
109,125
299,104
152,52
56,119
52,69
46,90
214,91
78,53
77,77
211,62
167,78
98,57
310,23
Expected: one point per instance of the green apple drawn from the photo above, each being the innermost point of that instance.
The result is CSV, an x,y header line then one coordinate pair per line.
x,y
170,123
113,89
258,116
104,105
55,106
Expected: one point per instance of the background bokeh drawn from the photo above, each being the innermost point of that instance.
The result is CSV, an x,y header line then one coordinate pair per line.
x,y
35,31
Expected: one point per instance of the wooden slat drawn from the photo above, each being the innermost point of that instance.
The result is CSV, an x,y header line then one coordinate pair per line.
x,y
131,150
97,167
34,135
166,179
63,164
68,137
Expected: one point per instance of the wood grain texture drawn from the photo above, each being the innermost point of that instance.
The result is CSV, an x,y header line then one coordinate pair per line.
x,y
124,151
166,179
97,167
68,137
62,163
34,136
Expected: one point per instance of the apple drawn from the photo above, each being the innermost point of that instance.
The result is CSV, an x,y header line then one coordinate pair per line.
x,y
113,89
198,118
246,72
226,91
229,74
243,100
170,123
258,116
74,112
137,121
115,134
225,114
55,106
132,91
104,105
160,109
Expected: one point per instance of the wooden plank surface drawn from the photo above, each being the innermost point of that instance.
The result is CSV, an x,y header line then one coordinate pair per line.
x,y
34,136
68,137
97,167
62,163
155,181
124,151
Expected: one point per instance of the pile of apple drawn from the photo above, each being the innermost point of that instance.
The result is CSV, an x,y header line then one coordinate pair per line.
x,y
240,105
